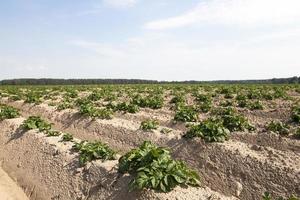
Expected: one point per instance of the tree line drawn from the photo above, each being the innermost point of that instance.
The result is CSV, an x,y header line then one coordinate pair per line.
x,y
48,81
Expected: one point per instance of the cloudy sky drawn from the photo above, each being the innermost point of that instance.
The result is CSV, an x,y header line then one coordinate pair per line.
x,y
150,39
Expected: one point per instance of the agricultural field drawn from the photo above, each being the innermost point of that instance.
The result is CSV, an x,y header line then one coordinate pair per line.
x,y
155,141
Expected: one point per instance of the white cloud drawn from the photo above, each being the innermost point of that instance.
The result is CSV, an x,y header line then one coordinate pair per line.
x,y
120,3
234,12
162,57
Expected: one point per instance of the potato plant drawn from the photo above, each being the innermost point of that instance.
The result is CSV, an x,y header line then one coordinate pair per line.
x,y
186,114
89,151
278,127
149,125
297,133
52,133
36,122
151,101
153,168
211,130
126,107
8,112
90,110
67,137
33,97
296,114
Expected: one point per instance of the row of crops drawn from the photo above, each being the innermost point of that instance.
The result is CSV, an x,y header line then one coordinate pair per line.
x,y
222,106
151,167
211,113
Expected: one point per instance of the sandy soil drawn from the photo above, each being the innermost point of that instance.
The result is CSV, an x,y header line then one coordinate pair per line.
x,y
54,172
245,166
9,190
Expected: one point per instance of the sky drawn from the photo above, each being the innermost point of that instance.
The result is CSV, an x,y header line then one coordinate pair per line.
x,y
150,39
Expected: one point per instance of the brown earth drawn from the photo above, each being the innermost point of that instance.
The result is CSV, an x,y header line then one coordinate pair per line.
x,y
246,166
52,169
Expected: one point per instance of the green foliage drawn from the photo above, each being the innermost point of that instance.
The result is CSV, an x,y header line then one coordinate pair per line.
x,y
254,94
154,102
71,93
241,97
36,122
211,130
186,114
204,107
8,112
52,133
297,133
89,110
64,105
228,96
33,97
278,127
242,103
178,99
203,97
95,96
66,137
234,121
89,151
127,107
153,168
15,97
296,114
256,105
149,125
165,130
226,103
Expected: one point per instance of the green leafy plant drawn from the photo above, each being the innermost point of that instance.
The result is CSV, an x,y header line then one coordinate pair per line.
x,y
52,133
15,97
36,122
89,151
228,96
254,94
153,168
256,105
234,121
66,137
89,110
33,97
8,112
125,107
178,99
95,96
165,130
241,97
186,114
211,130
154,102
64,105
242,103
226,103
278,127
296,114
297,133
203,97
267,196
149,125
204,107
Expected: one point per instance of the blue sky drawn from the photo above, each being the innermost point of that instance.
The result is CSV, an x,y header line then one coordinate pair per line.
x,y
157,39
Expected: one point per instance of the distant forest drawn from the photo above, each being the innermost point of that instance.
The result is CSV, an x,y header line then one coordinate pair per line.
x,y
47,81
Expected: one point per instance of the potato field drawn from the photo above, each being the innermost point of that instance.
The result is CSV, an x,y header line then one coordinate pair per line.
x,y
152,141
